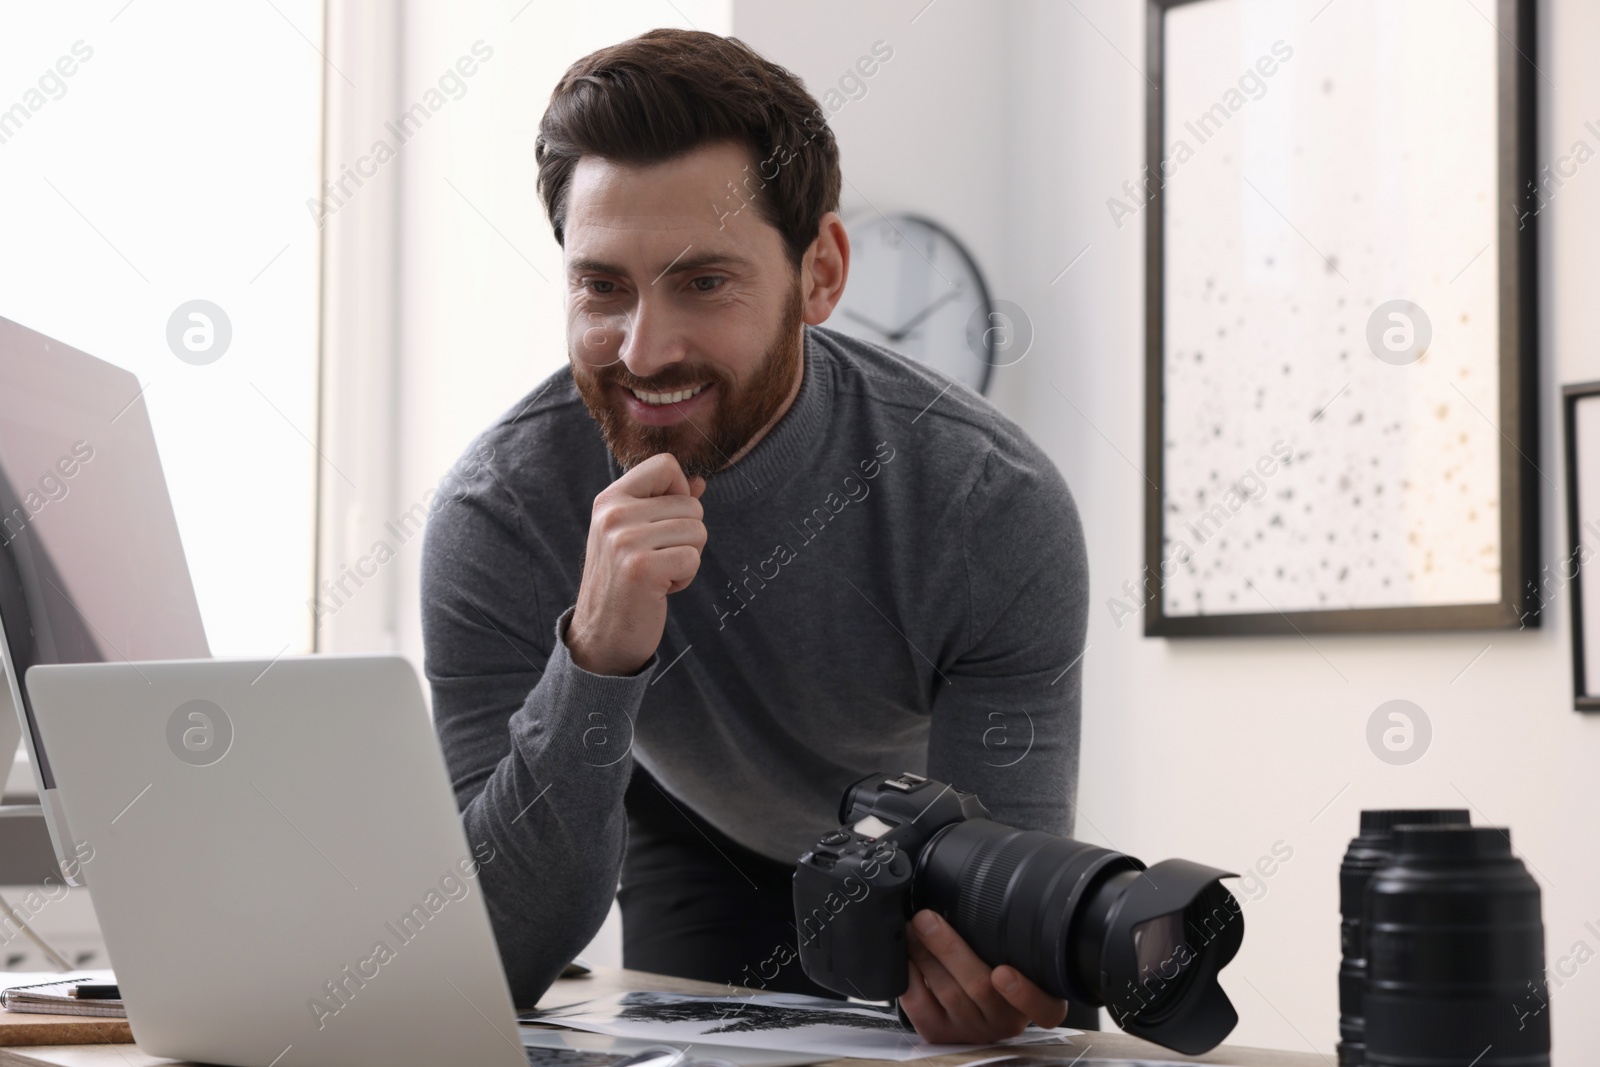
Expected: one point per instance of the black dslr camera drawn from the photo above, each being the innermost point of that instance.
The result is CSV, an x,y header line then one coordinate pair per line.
x,y
1087,924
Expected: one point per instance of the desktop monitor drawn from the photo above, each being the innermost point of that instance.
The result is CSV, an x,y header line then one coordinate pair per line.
x,y
91,565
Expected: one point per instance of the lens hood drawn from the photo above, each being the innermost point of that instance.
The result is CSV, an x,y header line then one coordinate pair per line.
x,y
1197,1020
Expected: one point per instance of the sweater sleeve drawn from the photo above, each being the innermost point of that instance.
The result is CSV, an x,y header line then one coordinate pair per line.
x,y
1007,707
538,749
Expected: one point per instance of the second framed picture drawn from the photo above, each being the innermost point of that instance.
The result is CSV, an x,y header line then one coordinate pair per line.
x,y
1580,569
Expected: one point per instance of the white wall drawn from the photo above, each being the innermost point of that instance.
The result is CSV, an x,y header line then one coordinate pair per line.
x,y
929,131
1013,124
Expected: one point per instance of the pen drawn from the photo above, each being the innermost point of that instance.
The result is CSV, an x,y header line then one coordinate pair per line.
x,y
95,991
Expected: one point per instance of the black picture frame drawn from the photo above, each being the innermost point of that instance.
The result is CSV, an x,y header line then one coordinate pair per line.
x,y
1583,696
1518,604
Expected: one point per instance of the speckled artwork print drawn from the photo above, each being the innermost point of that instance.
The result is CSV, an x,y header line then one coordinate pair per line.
x,y
1331,338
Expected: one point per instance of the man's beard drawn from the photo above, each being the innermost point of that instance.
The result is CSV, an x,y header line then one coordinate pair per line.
x,y
706,445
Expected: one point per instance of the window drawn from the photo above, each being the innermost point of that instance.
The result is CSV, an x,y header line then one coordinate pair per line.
x,y
154,154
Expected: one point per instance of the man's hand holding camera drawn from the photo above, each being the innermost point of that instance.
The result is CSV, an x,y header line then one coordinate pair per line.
x,y
956,998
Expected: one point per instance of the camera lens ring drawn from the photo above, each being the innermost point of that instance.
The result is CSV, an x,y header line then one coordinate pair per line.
x,y
1062,879
1040,878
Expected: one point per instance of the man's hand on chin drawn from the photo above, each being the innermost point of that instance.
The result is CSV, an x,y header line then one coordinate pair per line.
x,y
645,537
955,998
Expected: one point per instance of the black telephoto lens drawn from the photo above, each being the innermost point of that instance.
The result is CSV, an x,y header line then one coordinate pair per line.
x,y
1455,944
1368,851
1092,926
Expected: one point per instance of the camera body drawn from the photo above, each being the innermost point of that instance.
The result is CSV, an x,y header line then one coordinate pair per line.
x,y
1088,924
854,891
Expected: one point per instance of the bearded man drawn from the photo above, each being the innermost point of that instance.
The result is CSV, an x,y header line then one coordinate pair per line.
x,y
728,562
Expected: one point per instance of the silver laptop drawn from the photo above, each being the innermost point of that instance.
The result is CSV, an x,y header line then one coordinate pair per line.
x,y
277,863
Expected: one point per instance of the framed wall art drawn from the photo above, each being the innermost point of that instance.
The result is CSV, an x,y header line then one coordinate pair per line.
x,y
1581,422
1341,416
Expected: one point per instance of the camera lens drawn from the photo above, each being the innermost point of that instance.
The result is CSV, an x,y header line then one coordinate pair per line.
x,y
1368,851
1156,940
1091,925
1455,945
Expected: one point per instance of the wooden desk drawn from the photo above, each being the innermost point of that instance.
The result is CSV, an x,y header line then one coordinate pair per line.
x,y
606,980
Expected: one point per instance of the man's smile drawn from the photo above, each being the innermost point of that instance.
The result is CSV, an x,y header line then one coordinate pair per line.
x,y
667,398
667,408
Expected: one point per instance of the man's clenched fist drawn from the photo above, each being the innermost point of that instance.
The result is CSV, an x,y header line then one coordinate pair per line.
x,y
645,537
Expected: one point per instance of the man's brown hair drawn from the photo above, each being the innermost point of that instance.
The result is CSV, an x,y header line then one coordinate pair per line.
x,y
667,92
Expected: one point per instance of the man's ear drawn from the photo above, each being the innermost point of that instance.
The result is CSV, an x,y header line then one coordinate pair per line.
x,y
824,269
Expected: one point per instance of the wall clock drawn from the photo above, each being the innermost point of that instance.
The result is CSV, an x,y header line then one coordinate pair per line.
x,y
916,289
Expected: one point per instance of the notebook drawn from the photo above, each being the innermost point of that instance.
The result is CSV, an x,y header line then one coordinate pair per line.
x,y
53,996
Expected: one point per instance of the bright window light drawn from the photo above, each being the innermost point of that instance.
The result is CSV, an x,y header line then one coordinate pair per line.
x,y
158,153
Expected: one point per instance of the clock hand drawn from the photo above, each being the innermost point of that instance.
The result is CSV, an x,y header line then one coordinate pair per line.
x,y
868,323
918,318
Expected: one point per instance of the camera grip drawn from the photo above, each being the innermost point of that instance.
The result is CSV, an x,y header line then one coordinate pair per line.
x,y
851,907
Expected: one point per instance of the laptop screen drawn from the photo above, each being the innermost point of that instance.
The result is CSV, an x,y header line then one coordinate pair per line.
x,y
91,564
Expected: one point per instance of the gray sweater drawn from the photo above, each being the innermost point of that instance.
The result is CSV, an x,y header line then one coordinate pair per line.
x,y
894,579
